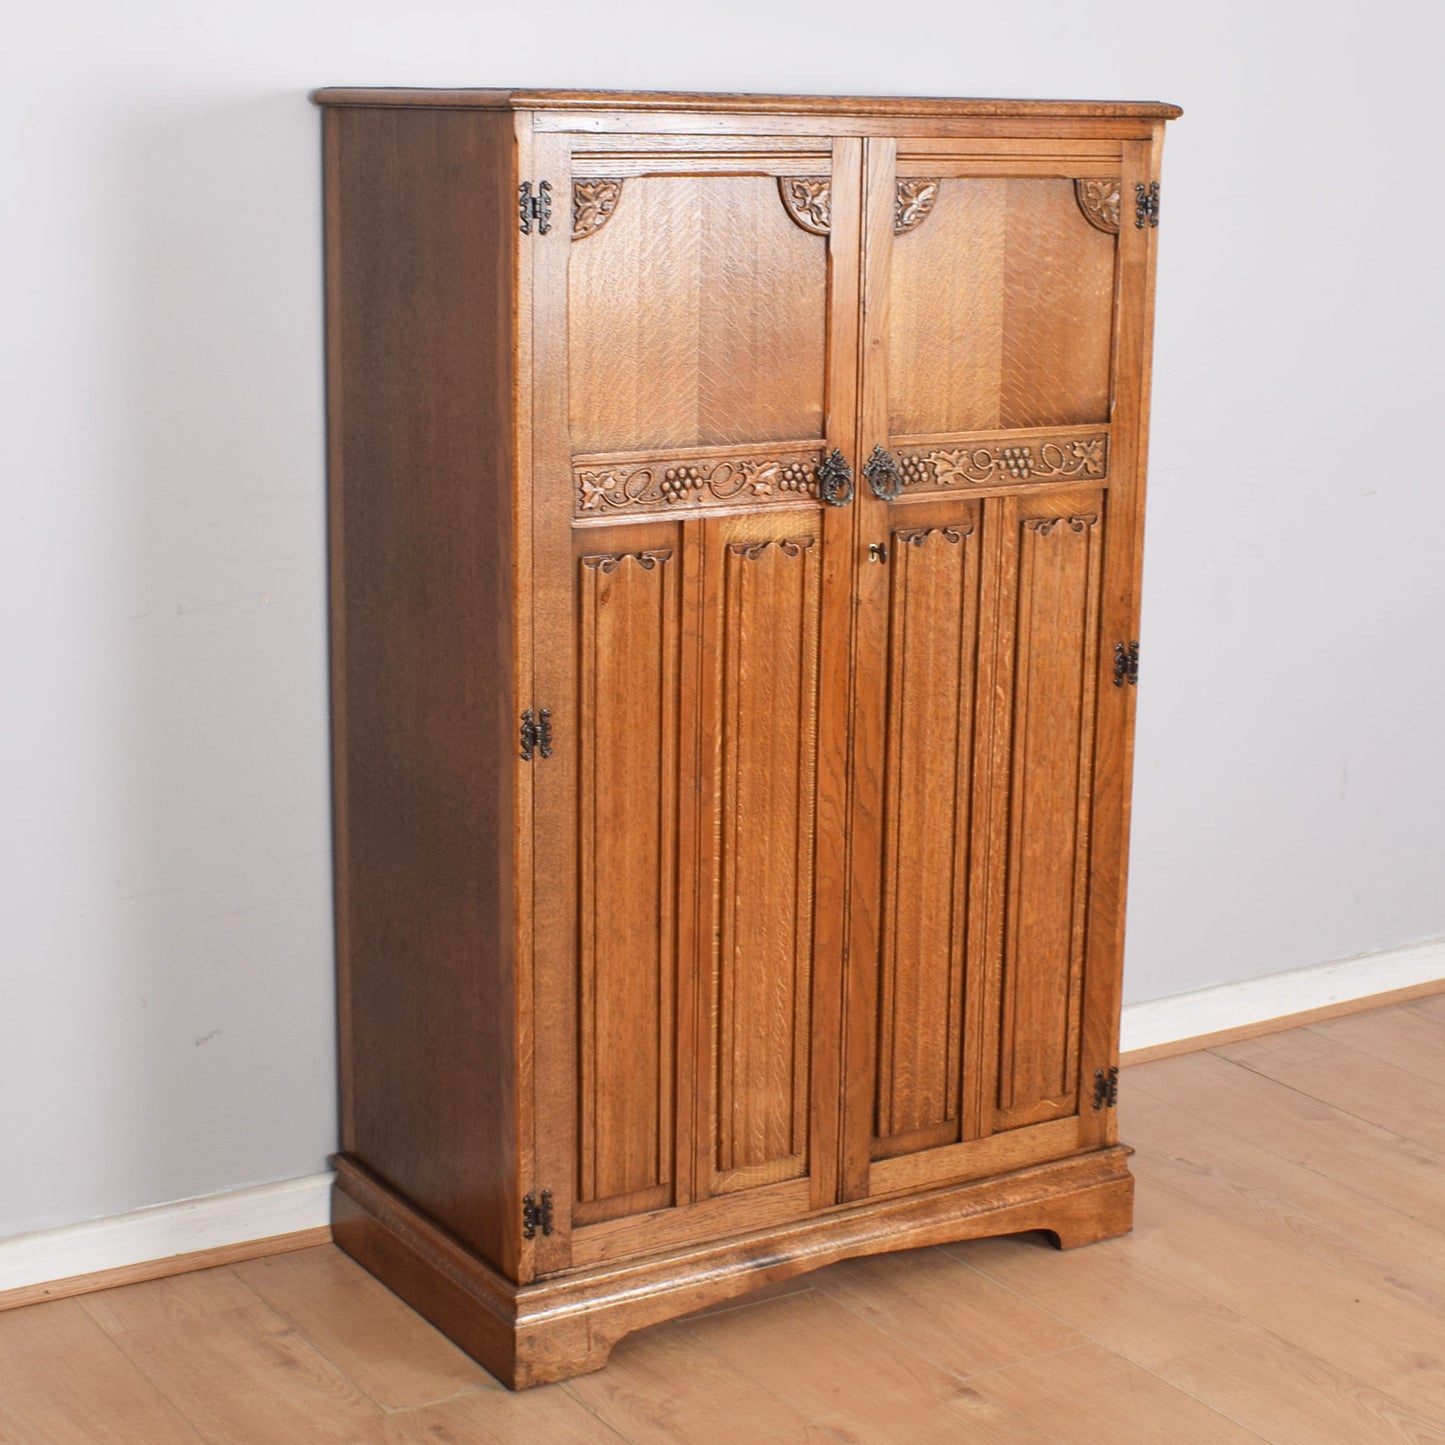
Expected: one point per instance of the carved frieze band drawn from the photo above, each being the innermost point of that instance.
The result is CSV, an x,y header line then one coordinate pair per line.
x,y
659,485
809,201
593,203
1100,201
1028,459
611,561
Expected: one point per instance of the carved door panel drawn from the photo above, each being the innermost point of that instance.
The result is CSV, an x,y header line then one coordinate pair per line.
x,y
989,321
694,364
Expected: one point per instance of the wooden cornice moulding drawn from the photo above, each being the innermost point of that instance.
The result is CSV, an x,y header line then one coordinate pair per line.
x,y
615,100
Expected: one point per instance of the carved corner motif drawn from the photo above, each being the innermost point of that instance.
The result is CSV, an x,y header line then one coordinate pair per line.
x,y
912,204
593,204
1035,461
809,201
1100,202
657,486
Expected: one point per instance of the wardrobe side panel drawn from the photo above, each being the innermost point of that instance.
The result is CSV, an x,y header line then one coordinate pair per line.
x,y
421,214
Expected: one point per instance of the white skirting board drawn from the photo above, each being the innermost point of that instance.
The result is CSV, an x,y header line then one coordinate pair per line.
x,y
213,1221
1278,995
217,1221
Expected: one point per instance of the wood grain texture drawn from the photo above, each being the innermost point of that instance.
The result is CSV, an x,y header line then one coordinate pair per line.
x,y
209,1345
628,714
66,1383
934,576
1002,314
553,1329
672,306
1054,667
393,1355
1284,1283
420,282
765,634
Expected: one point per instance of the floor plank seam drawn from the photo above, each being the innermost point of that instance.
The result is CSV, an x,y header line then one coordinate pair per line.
x,y
294,1325
566,1388
1328,1103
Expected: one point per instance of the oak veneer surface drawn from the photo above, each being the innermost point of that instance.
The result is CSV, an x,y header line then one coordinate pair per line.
x,y
1284,1282
422,654
736,509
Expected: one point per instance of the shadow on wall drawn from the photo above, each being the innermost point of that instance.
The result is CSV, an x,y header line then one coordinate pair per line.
x,y
211,1040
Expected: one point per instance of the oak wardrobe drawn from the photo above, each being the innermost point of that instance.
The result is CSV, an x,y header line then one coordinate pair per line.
x,y
736,506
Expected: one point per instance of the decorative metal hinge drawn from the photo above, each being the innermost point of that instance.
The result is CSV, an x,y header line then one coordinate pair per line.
x,y
536,208
536,1215
1126,664
536,734
1146,204
1106,1087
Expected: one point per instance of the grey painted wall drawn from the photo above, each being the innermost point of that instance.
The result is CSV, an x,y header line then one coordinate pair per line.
x,y
165,990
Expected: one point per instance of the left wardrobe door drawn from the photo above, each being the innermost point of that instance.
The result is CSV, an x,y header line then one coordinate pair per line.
x,y
694,311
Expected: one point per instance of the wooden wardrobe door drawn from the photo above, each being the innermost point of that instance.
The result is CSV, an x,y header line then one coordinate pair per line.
x,y
694,364
990,301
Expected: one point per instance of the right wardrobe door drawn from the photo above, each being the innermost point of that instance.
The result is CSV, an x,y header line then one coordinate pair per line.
x,y
1004,304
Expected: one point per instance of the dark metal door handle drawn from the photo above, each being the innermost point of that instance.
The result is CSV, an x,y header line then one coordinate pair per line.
x,y
835,480
883,474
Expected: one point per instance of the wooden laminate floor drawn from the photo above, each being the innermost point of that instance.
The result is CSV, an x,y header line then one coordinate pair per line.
x,y
1285,1282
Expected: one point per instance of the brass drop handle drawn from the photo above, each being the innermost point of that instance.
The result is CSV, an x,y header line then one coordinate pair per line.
x,y
884,475
877,552
835,479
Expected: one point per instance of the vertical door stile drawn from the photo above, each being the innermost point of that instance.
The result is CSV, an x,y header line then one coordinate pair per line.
x,y
835,682
551,1059
692,899
870,639
1114,743
989,821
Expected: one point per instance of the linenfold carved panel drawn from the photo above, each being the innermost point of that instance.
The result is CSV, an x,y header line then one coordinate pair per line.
x,y
763,640
658,484
593,203
1099,201
629,647
923,964
1055,663
809,201
1029,459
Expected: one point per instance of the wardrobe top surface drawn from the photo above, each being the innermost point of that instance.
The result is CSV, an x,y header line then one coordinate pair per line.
x,y
622,100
